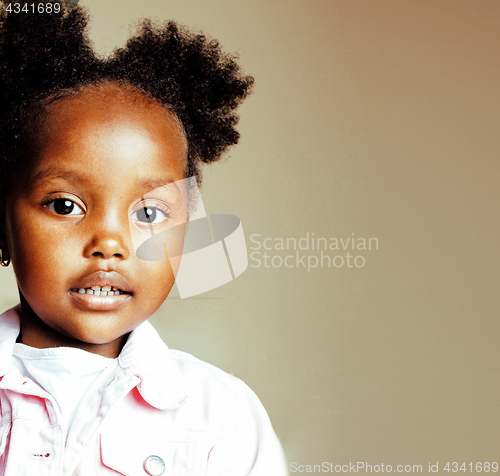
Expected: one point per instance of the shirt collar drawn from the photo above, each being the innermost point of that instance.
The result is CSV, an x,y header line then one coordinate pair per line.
x,y
147,356
144,354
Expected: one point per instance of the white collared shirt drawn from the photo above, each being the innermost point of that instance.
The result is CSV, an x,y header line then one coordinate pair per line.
x,y
151,411
65,373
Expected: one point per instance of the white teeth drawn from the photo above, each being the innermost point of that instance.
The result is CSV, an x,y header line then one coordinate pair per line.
x,y
99,291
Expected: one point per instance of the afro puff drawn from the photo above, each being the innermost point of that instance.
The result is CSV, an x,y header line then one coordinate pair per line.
x,y
43,54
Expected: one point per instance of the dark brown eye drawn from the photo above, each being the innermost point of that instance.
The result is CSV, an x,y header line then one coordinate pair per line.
x,y
63,206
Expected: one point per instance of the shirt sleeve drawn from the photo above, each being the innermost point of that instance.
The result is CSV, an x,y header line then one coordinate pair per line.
x,y
248,445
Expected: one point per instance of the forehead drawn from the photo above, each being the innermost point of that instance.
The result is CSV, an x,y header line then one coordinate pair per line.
x,y
106,132
110,109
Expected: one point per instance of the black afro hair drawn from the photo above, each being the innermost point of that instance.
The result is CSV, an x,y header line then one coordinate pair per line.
x,y
42,54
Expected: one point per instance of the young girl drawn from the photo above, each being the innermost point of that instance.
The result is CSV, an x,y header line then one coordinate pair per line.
x,y
94,156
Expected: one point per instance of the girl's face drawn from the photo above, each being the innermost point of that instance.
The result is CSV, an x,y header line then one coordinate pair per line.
x,y
103,178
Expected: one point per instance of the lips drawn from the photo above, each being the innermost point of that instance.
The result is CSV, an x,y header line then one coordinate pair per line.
x,y
103,281
101,291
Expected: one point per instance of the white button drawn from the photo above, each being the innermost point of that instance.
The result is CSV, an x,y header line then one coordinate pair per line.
x,y
154,465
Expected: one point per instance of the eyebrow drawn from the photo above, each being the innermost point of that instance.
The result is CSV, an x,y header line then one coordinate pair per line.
x,y
153,184
51,173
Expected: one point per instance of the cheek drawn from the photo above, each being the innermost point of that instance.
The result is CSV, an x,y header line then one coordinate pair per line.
x,y
174,244
157,279
41,255
164,246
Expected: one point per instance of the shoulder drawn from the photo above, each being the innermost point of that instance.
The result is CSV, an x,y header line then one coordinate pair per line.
x,y
171,376
172,379
246,443
191,366
224,396
198,375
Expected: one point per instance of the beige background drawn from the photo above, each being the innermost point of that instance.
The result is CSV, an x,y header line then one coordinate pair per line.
x,y
378,118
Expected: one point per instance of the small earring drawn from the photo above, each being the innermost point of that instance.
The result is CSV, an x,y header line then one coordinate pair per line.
x,y
4,262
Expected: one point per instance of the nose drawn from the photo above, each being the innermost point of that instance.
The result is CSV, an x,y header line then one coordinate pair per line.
x,y
108,248
109,238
